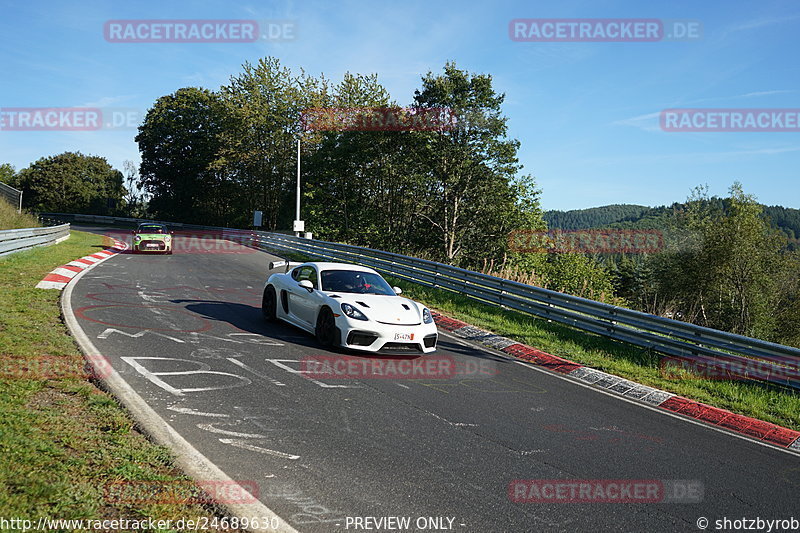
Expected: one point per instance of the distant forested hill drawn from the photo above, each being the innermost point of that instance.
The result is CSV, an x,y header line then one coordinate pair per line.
x,y
639,216
595,217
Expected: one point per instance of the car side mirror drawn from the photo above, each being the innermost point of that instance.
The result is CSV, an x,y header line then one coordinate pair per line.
x,y
397,290
307,285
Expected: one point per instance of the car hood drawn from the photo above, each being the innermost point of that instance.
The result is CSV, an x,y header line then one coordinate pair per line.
x,y
152,236
386,309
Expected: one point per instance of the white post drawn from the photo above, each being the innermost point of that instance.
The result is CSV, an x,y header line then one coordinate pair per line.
x,y
297,210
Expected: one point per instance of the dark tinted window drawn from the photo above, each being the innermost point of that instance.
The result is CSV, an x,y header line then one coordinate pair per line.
x,y
152,229
353,281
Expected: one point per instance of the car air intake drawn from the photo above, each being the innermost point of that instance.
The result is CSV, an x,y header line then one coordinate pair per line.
x,y
361,338
429,340
406,347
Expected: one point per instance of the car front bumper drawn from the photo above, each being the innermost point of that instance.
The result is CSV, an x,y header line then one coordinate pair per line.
x,y
152,246
372,336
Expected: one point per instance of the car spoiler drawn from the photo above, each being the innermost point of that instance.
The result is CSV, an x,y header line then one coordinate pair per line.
x,y
278,264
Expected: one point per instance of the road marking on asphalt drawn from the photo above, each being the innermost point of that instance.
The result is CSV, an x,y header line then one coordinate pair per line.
x,y
188,411
255,372
457,424
253,448
212,429
194,337
261,340
151,298
404,386
279,364
203,368
108,331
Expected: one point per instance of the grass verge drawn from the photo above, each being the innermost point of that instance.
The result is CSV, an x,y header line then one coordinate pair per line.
x,y
776,405
63,440
10,219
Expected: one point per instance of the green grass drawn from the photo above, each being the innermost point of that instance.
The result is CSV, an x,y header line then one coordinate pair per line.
x,y
10,219
61,438
779,406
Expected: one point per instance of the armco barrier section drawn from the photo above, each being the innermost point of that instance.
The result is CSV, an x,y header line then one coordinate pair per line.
x,y
760,360
14,196
766,361
15,240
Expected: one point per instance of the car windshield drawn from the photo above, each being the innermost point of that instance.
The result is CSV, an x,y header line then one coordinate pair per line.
x,y
354,281
152,229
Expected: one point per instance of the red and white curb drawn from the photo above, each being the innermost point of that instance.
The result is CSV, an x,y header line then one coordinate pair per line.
x,y
751,427
60,276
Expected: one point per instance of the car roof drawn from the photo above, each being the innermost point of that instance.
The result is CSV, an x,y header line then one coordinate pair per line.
x,y
320,266
141,224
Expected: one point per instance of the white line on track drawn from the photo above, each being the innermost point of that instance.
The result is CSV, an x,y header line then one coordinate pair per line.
x,y
188,411
255,372
253,448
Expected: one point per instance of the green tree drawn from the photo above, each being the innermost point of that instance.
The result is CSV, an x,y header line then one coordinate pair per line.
x,y
8,174
470,171
258,156
361,185
725,273
72,183
179,141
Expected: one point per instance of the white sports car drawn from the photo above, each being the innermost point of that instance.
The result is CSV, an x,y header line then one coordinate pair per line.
x,y
348,305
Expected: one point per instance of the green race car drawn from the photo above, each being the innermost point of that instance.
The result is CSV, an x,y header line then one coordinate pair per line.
x,y
151,237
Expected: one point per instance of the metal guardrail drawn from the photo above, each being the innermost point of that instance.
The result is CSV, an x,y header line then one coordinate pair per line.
x,y
750,358
743,356
14,196
15,240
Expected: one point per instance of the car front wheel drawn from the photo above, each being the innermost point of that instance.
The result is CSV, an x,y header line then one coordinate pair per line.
x,y
326,328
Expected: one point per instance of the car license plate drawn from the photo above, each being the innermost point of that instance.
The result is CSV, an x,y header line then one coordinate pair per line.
x,y
152,246
404,336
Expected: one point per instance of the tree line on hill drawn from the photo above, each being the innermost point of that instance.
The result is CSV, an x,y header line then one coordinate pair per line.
x,y
638,216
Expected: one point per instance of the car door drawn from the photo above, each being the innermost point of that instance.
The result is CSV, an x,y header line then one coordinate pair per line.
x,y
303,305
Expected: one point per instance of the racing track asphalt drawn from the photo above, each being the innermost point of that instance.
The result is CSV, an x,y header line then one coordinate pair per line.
x,y
322,450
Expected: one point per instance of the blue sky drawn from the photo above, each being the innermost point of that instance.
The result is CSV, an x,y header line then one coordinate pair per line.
x,y
586,114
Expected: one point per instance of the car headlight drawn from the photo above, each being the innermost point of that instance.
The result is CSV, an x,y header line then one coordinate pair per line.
x,y
352,312
137,238
167,239
426,316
